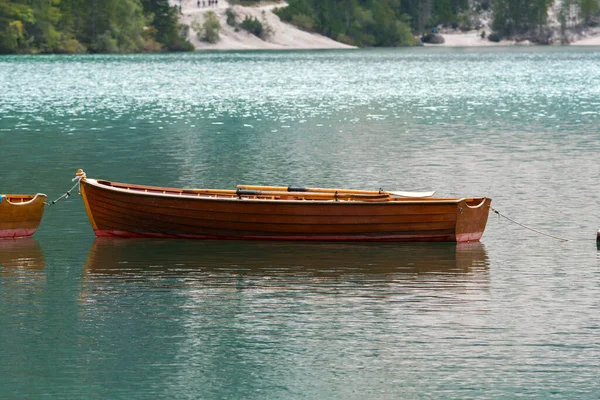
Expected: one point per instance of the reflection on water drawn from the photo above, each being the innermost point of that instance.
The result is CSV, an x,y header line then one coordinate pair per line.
x,y
196,268
20,254
22,278
148,256
243,313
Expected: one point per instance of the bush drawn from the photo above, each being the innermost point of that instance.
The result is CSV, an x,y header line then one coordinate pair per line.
x,y
464,22
211,28
231,17
105,43
343,38
72,46
303,22
253,26
179,42
152,46
184,30
402,35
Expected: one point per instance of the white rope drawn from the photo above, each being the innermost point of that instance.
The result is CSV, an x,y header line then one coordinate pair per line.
x,y
77,178
526,227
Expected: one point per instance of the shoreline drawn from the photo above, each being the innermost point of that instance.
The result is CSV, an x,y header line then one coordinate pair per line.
x,y
284,36
280,36
473,39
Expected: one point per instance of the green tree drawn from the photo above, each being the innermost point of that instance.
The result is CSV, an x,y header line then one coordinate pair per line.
x,y
361,22
14,18
589,9
52,26
165,19
210,28
252,25
516,17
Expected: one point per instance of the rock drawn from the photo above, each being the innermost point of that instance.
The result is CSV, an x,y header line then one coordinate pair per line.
x,y
494,37
433,38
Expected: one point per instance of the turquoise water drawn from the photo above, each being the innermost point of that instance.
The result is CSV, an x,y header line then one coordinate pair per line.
x,y
516,315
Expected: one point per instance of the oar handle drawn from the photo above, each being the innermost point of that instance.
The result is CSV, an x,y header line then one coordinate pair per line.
x,y
308,195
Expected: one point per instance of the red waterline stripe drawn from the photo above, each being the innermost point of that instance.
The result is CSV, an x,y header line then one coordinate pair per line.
x,y
392,238
15,233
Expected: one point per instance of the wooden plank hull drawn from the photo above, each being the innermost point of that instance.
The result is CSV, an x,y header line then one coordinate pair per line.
x,y
20,215
137,211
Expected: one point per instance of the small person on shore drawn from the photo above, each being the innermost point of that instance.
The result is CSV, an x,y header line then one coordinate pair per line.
x,y
198,3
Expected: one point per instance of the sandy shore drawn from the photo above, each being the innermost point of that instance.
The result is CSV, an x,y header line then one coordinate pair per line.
x,y
473,39
591,40
285,36
281,35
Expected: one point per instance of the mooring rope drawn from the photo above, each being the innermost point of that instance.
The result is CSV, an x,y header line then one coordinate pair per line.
x,y
527,227
77,178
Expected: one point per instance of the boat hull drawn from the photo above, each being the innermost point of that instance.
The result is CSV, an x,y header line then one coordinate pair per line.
x,y
117,210
20,215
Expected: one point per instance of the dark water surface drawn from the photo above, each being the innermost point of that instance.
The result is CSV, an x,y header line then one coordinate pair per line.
x,y
515,315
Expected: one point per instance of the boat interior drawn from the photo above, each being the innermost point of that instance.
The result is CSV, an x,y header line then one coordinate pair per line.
x,y
305,195
16,198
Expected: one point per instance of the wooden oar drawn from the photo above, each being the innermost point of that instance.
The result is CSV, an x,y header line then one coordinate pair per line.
x,y
323,195
331,190
300,195
210,191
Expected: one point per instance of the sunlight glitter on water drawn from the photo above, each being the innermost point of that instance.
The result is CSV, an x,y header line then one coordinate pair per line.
x,y
516,315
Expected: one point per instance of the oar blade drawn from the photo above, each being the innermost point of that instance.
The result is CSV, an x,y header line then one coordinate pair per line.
x,y
411,194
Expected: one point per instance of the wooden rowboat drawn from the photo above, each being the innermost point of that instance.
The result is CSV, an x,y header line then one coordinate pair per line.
x,y
20,214
126,210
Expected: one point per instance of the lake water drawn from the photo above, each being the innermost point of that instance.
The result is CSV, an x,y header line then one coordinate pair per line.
x,y
515,315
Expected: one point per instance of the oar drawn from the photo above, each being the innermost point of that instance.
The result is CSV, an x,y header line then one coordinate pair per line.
x,y
210,191
331,190
324,195
301,195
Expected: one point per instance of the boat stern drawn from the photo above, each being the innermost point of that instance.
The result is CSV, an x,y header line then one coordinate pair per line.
x,y
471,218
20,215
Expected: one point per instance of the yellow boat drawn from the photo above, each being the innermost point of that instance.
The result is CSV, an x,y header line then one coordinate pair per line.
x,y
20,214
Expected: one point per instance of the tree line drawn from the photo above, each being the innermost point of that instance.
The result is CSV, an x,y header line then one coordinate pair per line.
x,y
112,26
397,22
95,26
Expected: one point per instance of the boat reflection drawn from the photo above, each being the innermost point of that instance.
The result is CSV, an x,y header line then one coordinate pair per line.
x,y
21,254
224,306
138,256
